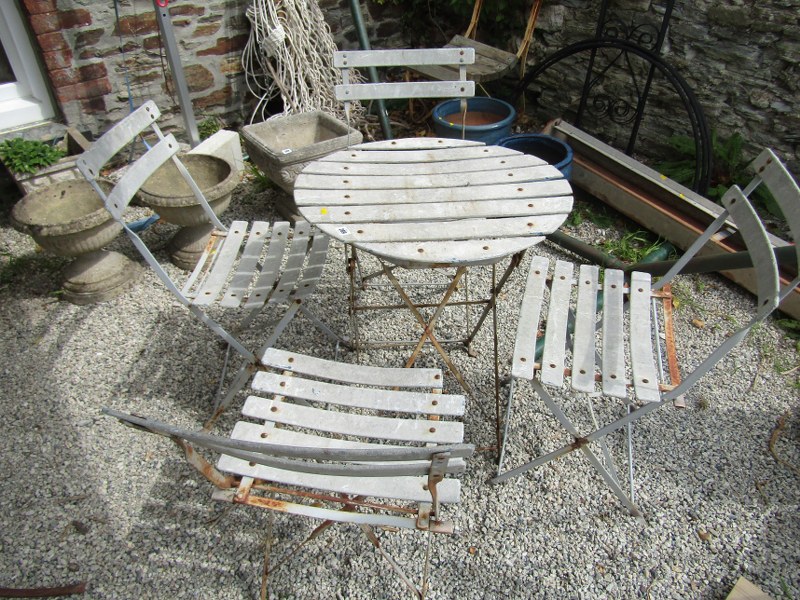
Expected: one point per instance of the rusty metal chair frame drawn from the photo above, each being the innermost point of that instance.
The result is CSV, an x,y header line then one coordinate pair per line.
x,y
340,443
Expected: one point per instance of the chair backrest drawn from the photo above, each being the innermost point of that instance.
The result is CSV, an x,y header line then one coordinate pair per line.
x,y
349,91
117,138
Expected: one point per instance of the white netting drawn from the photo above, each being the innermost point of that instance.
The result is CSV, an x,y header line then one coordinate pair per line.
x,y
290,53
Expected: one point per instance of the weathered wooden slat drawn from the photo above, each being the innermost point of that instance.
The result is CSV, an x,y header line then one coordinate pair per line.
x,y
447,211
295,259
613,358
410,150
643,365
583,346
400,181
351,373
309,198
524,360
364,426
398,488
445,230
458,252
211,287
346,167
315,265
402,57
490,63
402,90
371,398
246,270
260,433
556,329
271,268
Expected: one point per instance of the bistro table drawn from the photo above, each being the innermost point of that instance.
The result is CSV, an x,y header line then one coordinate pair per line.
x,y
435,203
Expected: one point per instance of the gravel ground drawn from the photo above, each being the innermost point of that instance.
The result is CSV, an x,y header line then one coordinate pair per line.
x,y
84,499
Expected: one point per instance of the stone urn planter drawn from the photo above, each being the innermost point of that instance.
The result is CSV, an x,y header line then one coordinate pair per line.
x,y
68,219
168,194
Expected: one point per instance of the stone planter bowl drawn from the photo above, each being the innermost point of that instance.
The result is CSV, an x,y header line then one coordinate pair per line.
x,y
167,193
67,218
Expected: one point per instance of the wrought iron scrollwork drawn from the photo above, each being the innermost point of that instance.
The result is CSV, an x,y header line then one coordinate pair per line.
x,y
599,99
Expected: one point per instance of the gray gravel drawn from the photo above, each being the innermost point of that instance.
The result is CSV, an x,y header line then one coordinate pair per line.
x,y
84,499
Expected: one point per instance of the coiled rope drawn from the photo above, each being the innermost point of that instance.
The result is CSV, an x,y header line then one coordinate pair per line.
x,y
290,53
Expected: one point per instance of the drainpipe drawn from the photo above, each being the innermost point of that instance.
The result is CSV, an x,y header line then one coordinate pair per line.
x,y
363,41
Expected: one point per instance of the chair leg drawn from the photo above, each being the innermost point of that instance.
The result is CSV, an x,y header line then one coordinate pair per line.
x,y
582,443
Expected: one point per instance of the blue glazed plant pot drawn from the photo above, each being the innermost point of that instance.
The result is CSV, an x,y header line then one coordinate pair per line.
x,y
551,149
486,120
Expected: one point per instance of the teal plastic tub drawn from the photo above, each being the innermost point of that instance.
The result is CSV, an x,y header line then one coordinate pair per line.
x,y
551,149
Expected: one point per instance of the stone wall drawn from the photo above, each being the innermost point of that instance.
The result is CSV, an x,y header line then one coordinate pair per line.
x,y
100,60
741,58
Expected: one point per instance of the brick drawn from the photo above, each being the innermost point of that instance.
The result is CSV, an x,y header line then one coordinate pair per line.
x,y
94,105
84,90
225,45
58,59
137,24
58,20
65,77
151,43
62,78
230,66
186,10
35,7
219,97
49,42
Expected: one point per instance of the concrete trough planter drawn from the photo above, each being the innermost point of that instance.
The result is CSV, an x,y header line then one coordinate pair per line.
x,y
281,147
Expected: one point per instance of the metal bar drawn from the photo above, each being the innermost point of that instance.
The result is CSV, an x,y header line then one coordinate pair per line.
x,y
174,60
363,40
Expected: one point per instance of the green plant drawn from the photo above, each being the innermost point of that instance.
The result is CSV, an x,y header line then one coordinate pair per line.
x,y
208,127
729,167
261,182
633,246
28,156
597,214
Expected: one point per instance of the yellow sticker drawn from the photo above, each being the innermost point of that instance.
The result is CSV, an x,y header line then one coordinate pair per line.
x,y
323,211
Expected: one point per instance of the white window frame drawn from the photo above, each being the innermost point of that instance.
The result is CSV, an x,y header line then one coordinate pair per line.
x,y
26,100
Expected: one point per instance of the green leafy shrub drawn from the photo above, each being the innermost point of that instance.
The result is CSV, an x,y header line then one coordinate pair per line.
x,y
729,167
28,156
208,127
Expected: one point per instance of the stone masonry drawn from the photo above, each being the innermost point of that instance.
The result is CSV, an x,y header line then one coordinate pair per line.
x,y
740,57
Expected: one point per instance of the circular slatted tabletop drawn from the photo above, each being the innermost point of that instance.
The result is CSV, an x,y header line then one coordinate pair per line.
x,y
422,202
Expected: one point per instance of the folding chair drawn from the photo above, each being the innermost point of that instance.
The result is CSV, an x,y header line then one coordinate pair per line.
x,y
605,328
322,445
245,267
352,89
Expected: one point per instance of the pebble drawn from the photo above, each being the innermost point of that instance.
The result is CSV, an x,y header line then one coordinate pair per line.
x,y
148,528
